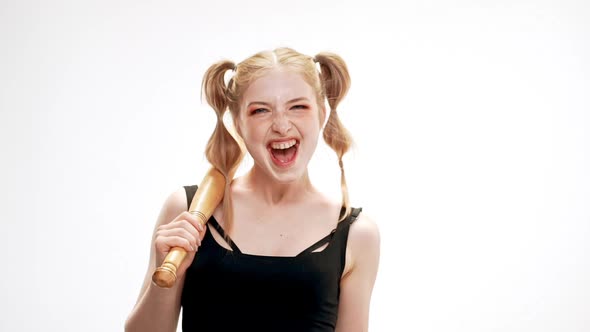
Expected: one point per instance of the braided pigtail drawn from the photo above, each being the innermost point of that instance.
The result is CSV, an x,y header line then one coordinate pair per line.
x,y
222,151
335,81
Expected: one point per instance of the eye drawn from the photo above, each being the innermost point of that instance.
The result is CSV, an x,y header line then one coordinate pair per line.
x,y
258,111
301,107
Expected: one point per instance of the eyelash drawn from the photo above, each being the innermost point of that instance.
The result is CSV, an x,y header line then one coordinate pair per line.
x,y
255,111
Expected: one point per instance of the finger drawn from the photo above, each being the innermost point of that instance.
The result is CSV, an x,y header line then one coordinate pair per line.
x,y
196,232
163,234
184,224
196,222
164,244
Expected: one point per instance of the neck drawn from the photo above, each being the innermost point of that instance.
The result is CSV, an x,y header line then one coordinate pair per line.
x,y
274,193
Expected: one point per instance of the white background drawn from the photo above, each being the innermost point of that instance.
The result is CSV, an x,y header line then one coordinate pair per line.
x,y
471,120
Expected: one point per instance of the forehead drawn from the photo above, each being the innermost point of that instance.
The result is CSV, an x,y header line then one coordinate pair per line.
x,y
277,85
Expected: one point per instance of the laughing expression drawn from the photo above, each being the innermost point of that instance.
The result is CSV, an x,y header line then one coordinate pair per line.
x,y
280,121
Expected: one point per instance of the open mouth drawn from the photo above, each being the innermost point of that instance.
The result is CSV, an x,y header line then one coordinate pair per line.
x,y
283,153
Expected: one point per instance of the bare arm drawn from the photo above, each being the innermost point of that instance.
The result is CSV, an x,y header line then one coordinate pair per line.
x,y
357,283
157,309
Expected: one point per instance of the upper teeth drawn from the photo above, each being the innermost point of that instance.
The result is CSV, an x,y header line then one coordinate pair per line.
x,y
283,145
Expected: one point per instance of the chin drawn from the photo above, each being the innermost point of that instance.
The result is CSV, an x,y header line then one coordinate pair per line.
x,y
287,176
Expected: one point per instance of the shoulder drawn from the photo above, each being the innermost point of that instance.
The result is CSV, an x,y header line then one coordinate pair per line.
x,y
175,203
364,231
364,241
179,199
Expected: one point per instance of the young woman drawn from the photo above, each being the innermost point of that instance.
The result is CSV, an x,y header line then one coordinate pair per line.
x,y
277,254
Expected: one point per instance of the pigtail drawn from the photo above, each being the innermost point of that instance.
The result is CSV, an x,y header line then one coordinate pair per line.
x,y
222,151
335,81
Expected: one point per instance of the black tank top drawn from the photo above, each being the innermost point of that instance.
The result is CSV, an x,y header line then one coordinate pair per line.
x,y
227,290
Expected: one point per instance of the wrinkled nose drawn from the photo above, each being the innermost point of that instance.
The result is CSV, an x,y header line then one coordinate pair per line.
x,y
281,123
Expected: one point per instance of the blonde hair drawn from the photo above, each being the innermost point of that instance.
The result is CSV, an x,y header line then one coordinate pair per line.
x,y
330,84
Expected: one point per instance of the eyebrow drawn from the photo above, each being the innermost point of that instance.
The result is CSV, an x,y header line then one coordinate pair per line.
x,y
289,102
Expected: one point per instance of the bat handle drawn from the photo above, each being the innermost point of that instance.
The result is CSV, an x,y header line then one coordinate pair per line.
x,y
165,275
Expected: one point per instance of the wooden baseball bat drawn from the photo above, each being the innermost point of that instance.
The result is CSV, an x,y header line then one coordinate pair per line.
x,y
209,194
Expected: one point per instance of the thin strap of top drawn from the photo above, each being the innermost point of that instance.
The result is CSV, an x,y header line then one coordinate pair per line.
x,y
353,216
220,230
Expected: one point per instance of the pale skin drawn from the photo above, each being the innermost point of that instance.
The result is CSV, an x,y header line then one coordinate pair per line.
x,y
276,107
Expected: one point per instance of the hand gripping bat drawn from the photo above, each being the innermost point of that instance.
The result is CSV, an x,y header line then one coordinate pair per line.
x,y
209,194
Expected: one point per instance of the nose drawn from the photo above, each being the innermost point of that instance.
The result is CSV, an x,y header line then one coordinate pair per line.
x,y
280,123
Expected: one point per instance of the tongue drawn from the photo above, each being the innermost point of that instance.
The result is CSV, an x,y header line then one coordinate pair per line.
x,y
284,155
